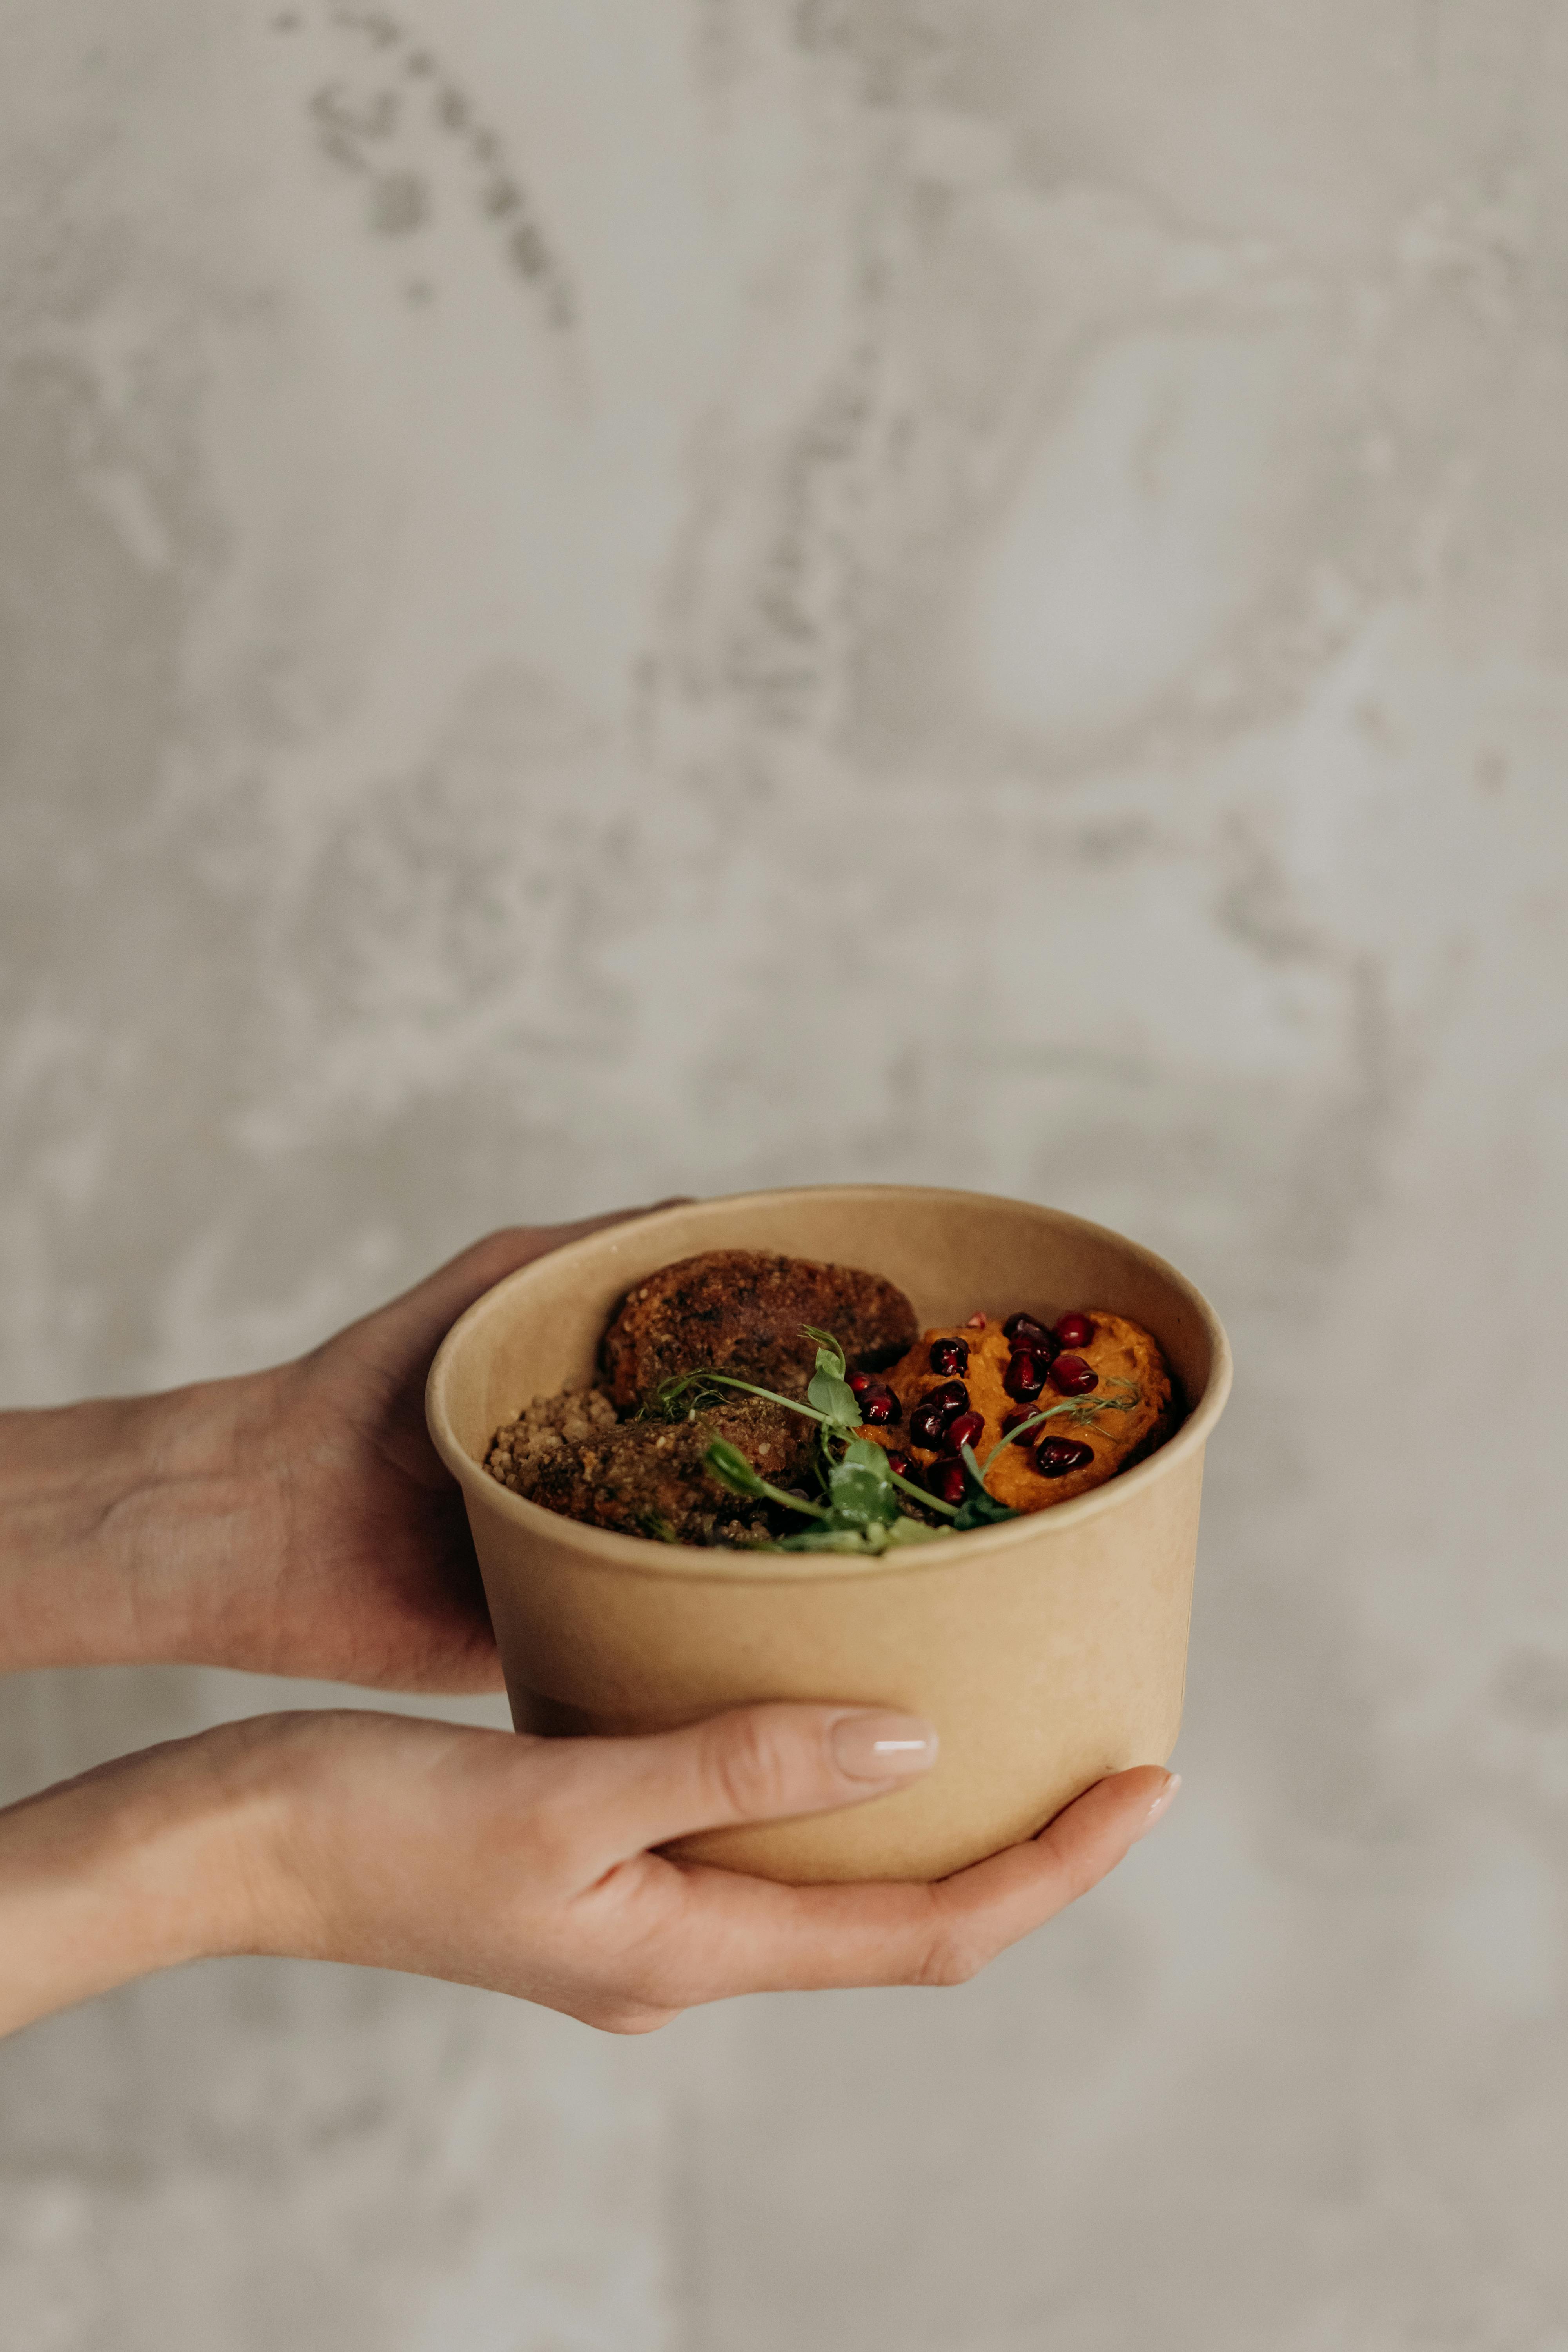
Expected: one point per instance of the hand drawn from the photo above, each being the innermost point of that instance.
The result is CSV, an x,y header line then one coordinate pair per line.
x,y
525,1865
297,1521
373,1578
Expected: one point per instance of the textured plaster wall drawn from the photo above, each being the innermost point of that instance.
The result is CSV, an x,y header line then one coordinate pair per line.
x,y
597,599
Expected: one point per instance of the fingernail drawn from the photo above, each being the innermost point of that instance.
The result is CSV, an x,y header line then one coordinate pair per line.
x,y
1162,1804
875,1747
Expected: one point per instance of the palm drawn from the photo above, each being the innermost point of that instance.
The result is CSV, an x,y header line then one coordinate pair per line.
x,y
382,1585
377,1581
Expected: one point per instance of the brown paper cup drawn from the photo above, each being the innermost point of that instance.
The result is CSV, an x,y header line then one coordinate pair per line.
x,y
1049,1651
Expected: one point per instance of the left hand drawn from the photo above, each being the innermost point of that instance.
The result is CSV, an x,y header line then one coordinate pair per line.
x,y
374,1580
296,1521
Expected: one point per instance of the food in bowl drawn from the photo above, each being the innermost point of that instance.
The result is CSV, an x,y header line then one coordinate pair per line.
x,y
753,1400
1056,1407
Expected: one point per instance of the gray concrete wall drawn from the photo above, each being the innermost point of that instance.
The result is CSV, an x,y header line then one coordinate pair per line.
x,y
604,600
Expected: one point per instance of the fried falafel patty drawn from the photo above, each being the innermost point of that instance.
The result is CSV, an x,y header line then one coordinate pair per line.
x,y
569,1453
741,1312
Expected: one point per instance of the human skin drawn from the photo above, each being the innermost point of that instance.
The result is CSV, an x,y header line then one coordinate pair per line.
x,y
298,1521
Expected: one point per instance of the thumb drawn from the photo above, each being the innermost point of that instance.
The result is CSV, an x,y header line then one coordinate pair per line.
x,y
441,1297
408,1329
755,1764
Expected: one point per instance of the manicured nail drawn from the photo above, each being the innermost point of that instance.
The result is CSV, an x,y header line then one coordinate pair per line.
x,y
1160,1806
882,1747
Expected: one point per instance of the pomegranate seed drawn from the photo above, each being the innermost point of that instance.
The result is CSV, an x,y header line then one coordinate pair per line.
x,y
975,1322
899,1464
879,1408
953,1397
1073,1376
1074,1330
949,1356
1055,1456
859,1382
1027,1331
967,1430
927,1423
1024,1376
947,1479
1019,1418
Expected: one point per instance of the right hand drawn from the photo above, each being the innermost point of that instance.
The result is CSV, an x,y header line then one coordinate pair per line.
x,y
530,1865
526,1865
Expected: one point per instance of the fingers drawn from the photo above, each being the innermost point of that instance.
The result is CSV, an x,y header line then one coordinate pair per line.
x,y
756,1936
755,1764
418,1320
486,1262
444,1294
991,1905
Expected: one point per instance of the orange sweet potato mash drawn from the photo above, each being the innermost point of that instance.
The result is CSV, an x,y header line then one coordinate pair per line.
x,y
1116,1436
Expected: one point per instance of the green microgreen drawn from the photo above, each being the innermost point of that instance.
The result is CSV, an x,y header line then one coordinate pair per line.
x,y
869,1542
829,1392
860,1488
979,1508
694,1390
927,1502
731,1468
861,1514
1078,1412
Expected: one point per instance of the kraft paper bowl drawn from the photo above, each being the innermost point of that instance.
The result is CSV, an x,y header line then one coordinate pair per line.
x,y
1048,1650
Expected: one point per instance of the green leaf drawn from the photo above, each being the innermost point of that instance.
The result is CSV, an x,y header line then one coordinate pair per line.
x,y
861,1488
830,1539
835,1399
927,1502
869,1542
675,1398
830,1357
730,1467
979,1509
912,1532
829,1392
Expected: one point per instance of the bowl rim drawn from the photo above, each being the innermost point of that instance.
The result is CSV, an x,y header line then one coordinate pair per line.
x,y
641,1555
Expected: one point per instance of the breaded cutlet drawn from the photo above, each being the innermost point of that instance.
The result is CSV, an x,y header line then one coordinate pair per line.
x,y
742,1312
648,1478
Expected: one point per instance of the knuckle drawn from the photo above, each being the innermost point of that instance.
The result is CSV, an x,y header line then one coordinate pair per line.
x,y
950,1957
749,1766
668,1975
625,2018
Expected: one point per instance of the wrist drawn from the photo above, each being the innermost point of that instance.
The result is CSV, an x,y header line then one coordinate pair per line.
x,y
141,1865
119,1516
